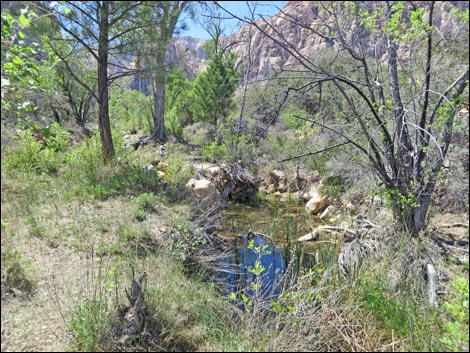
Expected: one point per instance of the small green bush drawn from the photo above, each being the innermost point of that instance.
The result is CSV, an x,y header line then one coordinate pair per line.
x,y
35,228
134,180
30,155
456,328
178,170
145,201
83,163
89,323
214,151
143,204
394,312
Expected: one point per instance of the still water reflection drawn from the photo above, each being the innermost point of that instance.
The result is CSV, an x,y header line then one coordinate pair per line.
x,y
265,247
254,265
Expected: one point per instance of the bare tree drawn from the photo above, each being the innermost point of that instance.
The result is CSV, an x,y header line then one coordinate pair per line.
x,y
394,67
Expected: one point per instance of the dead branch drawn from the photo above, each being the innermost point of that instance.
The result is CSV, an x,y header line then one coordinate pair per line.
x,y
432,285
131,319
312,153
456,225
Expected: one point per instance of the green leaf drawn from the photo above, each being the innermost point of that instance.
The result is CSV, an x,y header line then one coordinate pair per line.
x,y
23,20
21,35
17,60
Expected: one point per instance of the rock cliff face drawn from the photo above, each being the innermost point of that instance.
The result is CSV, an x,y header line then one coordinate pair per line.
x,y
188,53
292,25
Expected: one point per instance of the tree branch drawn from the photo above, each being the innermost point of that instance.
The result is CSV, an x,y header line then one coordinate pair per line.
x,y
313,153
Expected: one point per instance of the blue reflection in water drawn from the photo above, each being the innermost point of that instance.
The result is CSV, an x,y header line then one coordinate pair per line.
x,y
235,269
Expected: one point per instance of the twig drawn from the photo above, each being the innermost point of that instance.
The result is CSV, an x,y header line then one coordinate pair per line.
x,y
312,153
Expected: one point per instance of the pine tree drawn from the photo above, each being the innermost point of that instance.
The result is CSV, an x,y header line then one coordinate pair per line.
x,y
214,88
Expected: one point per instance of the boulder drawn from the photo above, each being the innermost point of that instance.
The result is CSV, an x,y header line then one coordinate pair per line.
x,y
191,183
317,204
204,188
312,192
214,171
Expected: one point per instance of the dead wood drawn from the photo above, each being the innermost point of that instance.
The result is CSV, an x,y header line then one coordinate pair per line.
x,y
131,318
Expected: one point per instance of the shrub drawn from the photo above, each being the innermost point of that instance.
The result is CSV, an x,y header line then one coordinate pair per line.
x,y
30,155
214,151
143,204
178,170
83,163
456,329
89,323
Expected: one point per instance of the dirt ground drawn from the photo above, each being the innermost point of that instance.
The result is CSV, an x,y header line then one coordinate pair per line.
x,y
39,322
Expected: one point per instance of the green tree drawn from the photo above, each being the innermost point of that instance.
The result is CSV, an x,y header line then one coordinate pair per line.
x,y
103,29
214,88
178,102
128,106
164,15
20,73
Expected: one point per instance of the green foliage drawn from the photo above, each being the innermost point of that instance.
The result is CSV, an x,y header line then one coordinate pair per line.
x,y
289,119
145,201
213,90
129,108
35,228
456,329
143,204
84,162
38,150
178,170
215,151
131,180
135,240
4,224
395,312
88,324
20,73
393,198
184,241
177,102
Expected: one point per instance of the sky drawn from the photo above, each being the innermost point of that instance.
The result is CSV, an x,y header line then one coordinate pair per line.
x,y
239,8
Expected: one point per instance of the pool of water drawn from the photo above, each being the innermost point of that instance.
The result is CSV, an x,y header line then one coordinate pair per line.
x,y
266,255
281,222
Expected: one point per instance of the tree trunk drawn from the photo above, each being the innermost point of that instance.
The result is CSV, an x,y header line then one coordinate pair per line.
x,y
159,108
103,117
414,218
